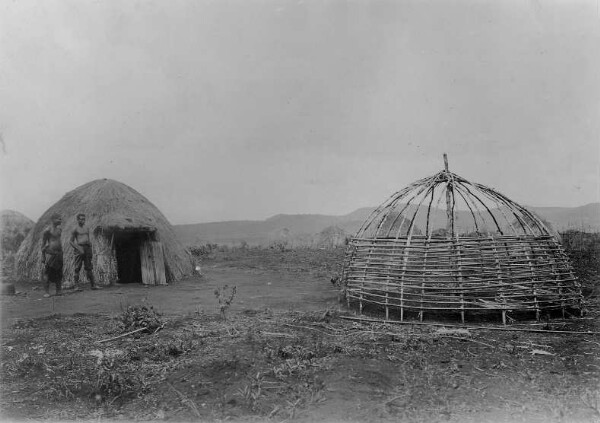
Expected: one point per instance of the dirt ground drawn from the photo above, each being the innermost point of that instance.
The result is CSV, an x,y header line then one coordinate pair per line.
x,y
282,352
279,280
256,289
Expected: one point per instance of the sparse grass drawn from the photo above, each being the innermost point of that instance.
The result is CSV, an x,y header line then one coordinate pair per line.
x,y
116,378
584,251
301,366
321,262
289,366
252,392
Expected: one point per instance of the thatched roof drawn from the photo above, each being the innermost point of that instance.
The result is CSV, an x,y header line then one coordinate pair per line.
x,y
109,206
14,227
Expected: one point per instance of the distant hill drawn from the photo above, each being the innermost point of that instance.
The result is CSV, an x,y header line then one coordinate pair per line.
x,y
312,229
586,218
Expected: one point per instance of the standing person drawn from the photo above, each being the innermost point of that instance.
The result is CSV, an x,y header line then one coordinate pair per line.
x,y
82,244
52,256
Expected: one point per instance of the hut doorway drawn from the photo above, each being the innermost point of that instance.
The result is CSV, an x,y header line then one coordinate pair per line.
x,y
140,258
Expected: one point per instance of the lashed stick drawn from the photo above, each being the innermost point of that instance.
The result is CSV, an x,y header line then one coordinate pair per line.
x,y
123,335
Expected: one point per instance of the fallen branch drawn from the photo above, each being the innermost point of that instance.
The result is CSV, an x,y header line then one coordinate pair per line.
x,y
531,344
472,353
364,319
123,335
388,402
468,339
159,328
373,333
329,327
286,335
574,332
308,327
507,329
540,352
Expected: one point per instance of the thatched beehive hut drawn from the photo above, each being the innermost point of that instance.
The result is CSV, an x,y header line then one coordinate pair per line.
x,y
132,241
14,227
484,254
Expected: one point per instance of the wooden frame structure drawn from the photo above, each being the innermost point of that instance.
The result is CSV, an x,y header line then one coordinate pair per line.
x,y
484,254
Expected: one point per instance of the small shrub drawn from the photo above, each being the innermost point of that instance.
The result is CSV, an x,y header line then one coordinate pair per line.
x,y
295,351
279,246
29,363
140,316
225,296
203,250
114,379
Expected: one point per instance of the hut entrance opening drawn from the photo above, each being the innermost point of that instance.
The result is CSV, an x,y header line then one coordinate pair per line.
x,y
140,258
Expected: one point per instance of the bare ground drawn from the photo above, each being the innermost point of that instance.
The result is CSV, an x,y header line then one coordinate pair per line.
x,y
283,353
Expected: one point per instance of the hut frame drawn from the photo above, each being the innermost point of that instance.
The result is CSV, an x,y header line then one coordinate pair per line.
x,y
511,264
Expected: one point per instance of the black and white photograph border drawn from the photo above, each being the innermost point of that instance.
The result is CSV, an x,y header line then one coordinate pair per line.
x,y
300,210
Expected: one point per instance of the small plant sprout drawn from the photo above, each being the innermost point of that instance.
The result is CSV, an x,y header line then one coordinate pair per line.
x,y
225,296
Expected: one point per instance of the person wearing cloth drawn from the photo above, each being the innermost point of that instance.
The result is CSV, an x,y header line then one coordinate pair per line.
x,y
82,244
52,256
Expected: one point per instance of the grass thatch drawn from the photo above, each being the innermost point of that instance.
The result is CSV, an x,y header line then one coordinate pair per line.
x,y
14,227
111,208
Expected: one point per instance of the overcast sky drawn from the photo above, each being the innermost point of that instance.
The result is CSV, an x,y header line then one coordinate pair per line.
x,y
221,110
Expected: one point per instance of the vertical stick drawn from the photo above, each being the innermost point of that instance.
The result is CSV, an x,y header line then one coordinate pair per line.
x,y
449,217
531,270
387,299
562,298
360,297
449,195
460,279
348,259
556,272
499,276
387,291
404,263
364,278
422,311
348,301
